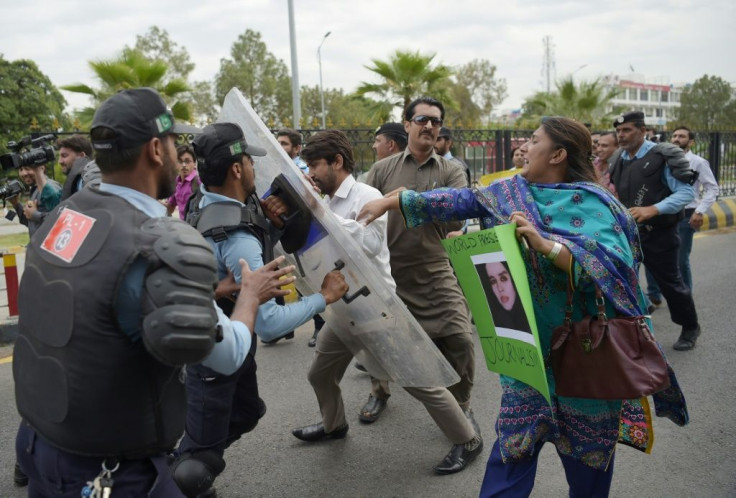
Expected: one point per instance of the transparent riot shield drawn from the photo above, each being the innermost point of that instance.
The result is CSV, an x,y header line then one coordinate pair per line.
x,y
371,319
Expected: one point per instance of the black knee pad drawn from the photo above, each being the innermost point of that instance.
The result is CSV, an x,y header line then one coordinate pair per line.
x,y
195,473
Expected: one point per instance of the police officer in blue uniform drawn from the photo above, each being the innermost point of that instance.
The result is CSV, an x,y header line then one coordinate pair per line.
x,y
655,182
221,408
115,298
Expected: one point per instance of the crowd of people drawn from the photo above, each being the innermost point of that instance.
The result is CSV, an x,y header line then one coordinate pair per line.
x,y
159,315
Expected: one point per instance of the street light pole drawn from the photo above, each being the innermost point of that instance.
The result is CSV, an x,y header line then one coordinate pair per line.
x,y
321,91
295,97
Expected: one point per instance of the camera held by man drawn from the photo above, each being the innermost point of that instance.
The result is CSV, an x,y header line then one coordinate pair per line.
x,y
30,156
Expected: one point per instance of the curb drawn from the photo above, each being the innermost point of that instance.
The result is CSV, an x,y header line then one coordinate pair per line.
x,y
9,330
721,214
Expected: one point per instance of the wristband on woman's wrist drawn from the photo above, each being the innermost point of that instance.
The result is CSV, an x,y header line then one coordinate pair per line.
x,y
556,249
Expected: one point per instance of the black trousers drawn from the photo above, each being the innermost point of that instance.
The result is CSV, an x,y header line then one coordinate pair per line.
x,y
661,248
220,408
54,472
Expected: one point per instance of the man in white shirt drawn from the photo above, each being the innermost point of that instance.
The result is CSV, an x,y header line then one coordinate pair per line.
x,y
329,157
706,193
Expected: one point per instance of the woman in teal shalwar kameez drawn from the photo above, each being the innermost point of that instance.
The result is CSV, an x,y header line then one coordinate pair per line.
x,y
589,237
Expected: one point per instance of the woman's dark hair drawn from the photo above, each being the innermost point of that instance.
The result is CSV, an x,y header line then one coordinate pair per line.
x,y
574,137
327,145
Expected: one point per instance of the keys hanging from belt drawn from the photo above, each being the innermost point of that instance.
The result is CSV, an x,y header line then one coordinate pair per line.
x,y
101,486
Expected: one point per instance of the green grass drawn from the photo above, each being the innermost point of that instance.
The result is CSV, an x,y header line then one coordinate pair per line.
x,y
18,239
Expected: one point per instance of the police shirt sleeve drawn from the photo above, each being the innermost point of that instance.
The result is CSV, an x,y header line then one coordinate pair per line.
x,y
682,194
229,354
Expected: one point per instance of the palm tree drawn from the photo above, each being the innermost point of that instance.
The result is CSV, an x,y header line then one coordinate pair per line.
x,y
131,70
586,102
406,76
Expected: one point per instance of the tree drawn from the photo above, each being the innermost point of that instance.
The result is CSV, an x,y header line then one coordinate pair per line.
x,y
202,99
27,96
157,45
708,105
261,77
342,110
132,69
586,102
406,76
485,90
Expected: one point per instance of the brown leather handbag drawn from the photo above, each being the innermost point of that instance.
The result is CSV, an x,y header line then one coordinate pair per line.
x,y
606,358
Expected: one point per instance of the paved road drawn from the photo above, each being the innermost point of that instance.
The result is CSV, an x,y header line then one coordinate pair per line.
x,y
394,457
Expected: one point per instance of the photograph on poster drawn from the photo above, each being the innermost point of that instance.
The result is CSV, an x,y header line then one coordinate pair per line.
x,y
504,303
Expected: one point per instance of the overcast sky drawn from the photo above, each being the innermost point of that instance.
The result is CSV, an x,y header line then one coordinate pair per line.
x,y
674,40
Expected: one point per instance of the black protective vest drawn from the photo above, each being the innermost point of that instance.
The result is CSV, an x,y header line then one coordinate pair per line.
x,y
639,183
75,173
218,219
79,380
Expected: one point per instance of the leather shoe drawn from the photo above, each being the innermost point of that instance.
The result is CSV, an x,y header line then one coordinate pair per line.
x,y
458,458
19,478
656,301
290,335
372,410
687,339
317,432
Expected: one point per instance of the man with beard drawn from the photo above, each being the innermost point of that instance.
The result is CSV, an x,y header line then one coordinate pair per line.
x,y
329,156
419,264
115,298
654,182
221,408
684,138
74,154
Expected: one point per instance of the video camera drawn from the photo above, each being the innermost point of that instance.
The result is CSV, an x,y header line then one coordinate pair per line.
x,y
11,189
41,152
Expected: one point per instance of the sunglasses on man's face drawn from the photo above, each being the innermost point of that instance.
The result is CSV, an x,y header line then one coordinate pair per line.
x,y
422,120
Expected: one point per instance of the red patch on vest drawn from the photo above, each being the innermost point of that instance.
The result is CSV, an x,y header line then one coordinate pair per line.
x,y
68,234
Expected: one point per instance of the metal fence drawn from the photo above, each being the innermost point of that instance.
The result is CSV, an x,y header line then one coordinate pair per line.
x,y
489,151
485,151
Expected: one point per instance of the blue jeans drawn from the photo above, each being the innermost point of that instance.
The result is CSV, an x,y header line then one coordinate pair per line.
x,y
516,479
686,246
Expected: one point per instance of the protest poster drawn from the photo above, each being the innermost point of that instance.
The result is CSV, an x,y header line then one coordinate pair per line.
x,y
491,272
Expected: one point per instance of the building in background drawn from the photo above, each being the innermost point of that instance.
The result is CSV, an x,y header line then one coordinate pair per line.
x,y
656,97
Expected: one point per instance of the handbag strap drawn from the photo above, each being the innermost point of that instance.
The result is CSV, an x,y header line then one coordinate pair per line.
x,y
600,303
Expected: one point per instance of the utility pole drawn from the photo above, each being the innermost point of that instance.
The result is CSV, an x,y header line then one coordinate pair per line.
x,y
295,98
321,91
548,63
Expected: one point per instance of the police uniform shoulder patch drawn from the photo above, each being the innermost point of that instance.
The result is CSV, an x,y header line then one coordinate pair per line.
x,y
68,234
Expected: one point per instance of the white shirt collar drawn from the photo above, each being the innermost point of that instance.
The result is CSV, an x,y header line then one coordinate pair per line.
x,y
344,189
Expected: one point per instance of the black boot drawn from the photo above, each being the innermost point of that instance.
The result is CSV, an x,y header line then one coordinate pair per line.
x,y
19,478
688,338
